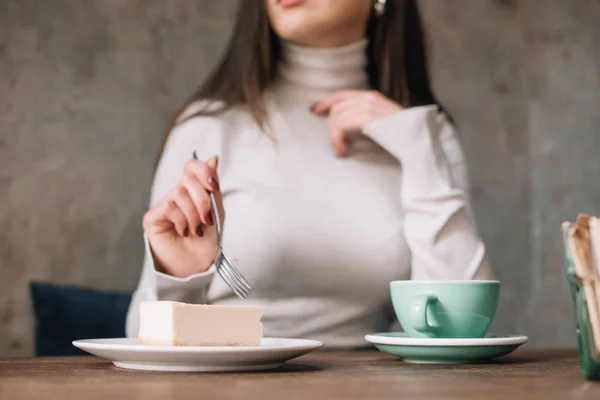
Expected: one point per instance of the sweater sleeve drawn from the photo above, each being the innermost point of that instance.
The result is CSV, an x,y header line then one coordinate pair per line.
x,y
195,134
438,226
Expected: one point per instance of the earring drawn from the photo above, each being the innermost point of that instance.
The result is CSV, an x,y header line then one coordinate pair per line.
x,y
379,7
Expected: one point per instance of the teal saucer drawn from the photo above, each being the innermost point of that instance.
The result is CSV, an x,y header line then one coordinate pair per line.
x,y
444,351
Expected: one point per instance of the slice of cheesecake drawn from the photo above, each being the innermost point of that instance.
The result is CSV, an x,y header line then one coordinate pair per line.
x,y
169,323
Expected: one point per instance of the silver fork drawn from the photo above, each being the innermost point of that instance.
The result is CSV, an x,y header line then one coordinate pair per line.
x,y
225,268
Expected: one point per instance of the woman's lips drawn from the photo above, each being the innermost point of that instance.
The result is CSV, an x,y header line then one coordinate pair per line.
x,y
289,3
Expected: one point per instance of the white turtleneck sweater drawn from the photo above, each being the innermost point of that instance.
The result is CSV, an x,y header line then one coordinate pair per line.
x,y
318,237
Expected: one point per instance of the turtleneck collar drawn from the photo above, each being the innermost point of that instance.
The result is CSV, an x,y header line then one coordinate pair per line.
x,y
325,68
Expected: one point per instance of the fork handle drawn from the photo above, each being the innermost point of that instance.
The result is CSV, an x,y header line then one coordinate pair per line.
x,y
213,202
215,208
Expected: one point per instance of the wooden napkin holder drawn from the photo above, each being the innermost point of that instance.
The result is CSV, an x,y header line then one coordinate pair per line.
x,y
582,253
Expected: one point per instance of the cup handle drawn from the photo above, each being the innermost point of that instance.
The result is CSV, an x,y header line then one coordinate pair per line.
x,y
419,314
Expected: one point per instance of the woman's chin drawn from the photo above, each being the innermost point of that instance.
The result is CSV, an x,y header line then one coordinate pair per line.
x,y
298,31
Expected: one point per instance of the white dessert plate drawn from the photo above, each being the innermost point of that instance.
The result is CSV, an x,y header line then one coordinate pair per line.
x,y
127,353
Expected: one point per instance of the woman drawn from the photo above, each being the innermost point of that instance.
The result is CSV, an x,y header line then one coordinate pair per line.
x,y
322,141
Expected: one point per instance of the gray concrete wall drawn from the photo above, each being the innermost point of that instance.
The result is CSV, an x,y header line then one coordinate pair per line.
x,y
86,87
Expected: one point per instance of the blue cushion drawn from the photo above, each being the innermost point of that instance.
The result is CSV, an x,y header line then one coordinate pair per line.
x,y
67,313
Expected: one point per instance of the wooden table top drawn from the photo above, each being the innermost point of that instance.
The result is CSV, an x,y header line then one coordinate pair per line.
x,y
527,374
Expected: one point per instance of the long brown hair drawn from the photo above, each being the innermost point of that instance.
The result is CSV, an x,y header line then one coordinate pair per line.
x,y
397,64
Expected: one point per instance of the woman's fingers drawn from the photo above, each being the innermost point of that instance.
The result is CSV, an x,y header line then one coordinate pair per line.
x,y
176,217
200,198
344,117
206,173
187,207
353,110
212,163
202,177
338,138
156,219
342,95
346,109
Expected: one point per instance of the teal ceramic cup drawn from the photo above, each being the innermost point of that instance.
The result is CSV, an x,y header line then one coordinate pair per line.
x,y
445,309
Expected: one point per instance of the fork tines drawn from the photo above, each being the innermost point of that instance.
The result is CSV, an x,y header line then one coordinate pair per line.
x,y
232,276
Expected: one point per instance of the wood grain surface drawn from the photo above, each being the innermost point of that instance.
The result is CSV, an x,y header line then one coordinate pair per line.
x,y
527,374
